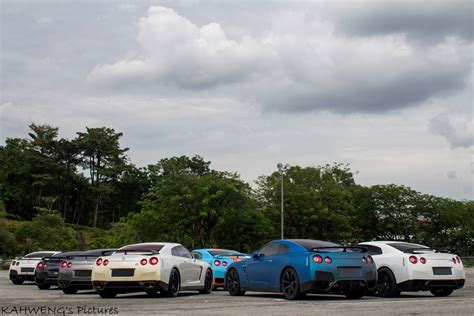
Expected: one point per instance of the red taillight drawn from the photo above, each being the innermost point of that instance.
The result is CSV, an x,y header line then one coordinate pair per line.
x,y
458,259
217,263
454,260
317,259
69,265
106,262
371,260
413,259
364,260
422,260
143,261
98,261
153,261
40,265
63,264
224,263
328,260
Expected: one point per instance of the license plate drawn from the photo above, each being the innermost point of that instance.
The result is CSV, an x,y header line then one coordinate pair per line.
x,y
123,272
27,269
348,272
442,271
82,273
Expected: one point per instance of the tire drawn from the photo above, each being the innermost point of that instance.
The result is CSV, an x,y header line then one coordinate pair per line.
x,y
442,291
290,285
207,283
43,286
69,290
386,283
107,294
355,293
17,281
233,283
173,284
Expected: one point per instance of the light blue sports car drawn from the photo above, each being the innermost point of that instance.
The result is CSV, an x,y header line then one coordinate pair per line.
x,y
219,259
295,267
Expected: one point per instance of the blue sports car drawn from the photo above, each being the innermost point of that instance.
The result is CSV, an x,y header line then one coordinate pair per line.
x,y
295,267
219,259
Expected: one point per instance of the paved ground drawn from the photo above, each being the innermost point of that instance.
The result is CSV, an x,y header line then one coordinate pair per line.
x,y
14,297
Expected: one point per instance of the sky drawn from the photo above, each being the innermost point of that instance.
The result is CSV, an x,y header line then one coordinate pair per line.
x,y
386,86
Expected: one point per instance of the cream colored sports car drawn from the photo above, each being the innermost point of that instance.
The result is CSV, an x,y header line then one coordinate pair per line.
x,y
167,268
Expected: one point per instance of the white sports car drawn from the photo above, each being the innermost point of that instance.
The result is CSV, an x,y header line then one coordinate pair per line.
x,y
405,266
151,267
23,269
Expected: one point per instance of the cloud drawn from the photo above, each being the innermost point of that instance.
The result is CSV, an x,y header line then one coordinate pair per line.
x,y
451,175
458,130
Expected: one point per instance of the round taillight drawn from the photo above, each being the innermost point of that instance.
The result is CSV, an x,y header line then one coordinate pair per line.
x,y
364,260
317,259
40,265
98,261
413,259
422,260
69,265
224,263
328,260
106,262
371,260
63,264
153,261
13,263
458,259
217,263
143,262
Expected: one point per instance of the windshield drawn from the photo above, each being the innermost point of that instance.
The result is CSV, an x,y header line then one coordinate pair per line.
x,y
312,244
223,252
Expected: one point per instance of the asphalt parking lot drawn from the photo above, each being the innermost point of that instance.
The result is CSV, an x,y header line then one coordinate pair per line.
x,y
15,298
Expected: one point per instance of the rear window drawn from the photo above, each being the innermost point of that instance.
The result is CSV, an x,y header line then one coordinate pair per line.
x,y
141,248
223,252
39,255
402,246
311,244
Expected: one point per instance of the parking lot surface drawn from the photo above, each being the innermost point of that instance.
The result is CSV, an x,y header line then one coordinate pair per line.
x,y
24,299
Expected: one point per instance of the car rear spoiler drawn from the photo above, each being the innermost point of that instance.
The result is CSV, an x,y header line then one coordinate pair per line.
x,y
435,249
230,255
152,252
344,249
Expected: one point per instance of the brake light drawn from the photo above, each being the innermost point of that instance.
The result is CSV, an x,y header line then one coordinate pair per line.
x,y
40,265
153,261
364,260
413,259
98,261
328,260
217,263
143,262
371,260
106,262
317,259
422,260
63,264
224,263
458,259
454,260
13,263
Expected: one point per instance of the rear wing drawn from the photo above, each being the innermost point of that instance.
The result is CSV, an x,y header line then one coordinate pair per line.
x,y
435,249
148,251
344,249
231,255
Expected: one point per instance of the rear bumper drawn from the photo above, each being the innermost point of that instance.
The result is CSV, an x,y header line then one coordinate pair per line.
x,y
425,285
325,282
46,278
219,281
129,286
14,275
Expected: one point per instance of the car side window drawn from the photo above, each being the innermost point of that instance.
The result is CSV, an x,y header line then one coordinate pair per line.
x,y
373,250
284,249
175,251
183,252
269,249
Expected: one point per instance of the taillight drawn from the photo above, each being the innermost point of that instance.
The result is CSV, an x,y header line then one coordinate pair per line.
x,y
328,260
458,259
317,259
454,260
106,262
69,265
153,261
98,261
364,260
217,263
371,260
143,261
13,263
224,263
422,260
63,264
413,259
40,265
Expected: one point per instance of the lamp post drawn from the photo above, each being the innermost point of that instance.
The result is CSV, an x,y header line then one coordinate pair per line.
x,y
282,220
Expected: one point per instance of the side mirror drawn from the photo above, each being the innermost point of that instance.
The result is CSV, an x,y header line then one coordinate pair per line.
x,y
255,255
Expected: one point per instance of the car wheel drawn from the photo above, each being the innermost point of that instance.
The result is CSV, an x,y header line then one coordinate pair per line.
x,y
43,286
17,281
355,293
173,284
207,283
441,291
290,286
69,290
386,284
233,283
107,294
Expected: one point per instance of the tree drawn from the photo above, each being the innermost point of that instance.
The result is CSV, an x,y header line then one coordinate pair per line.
x,y
103,157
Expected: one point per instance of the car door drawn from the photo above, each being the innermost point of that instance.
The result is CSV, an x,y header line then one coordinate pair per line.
x,y
189,268
257,269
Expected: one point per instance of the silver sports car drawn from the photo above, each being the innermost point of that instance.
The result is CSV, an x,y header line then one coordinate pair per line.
x,y
75,273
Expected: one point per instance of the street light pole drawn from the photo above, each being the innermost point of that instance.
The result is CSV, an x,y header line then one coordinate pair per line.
x,y
282,219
